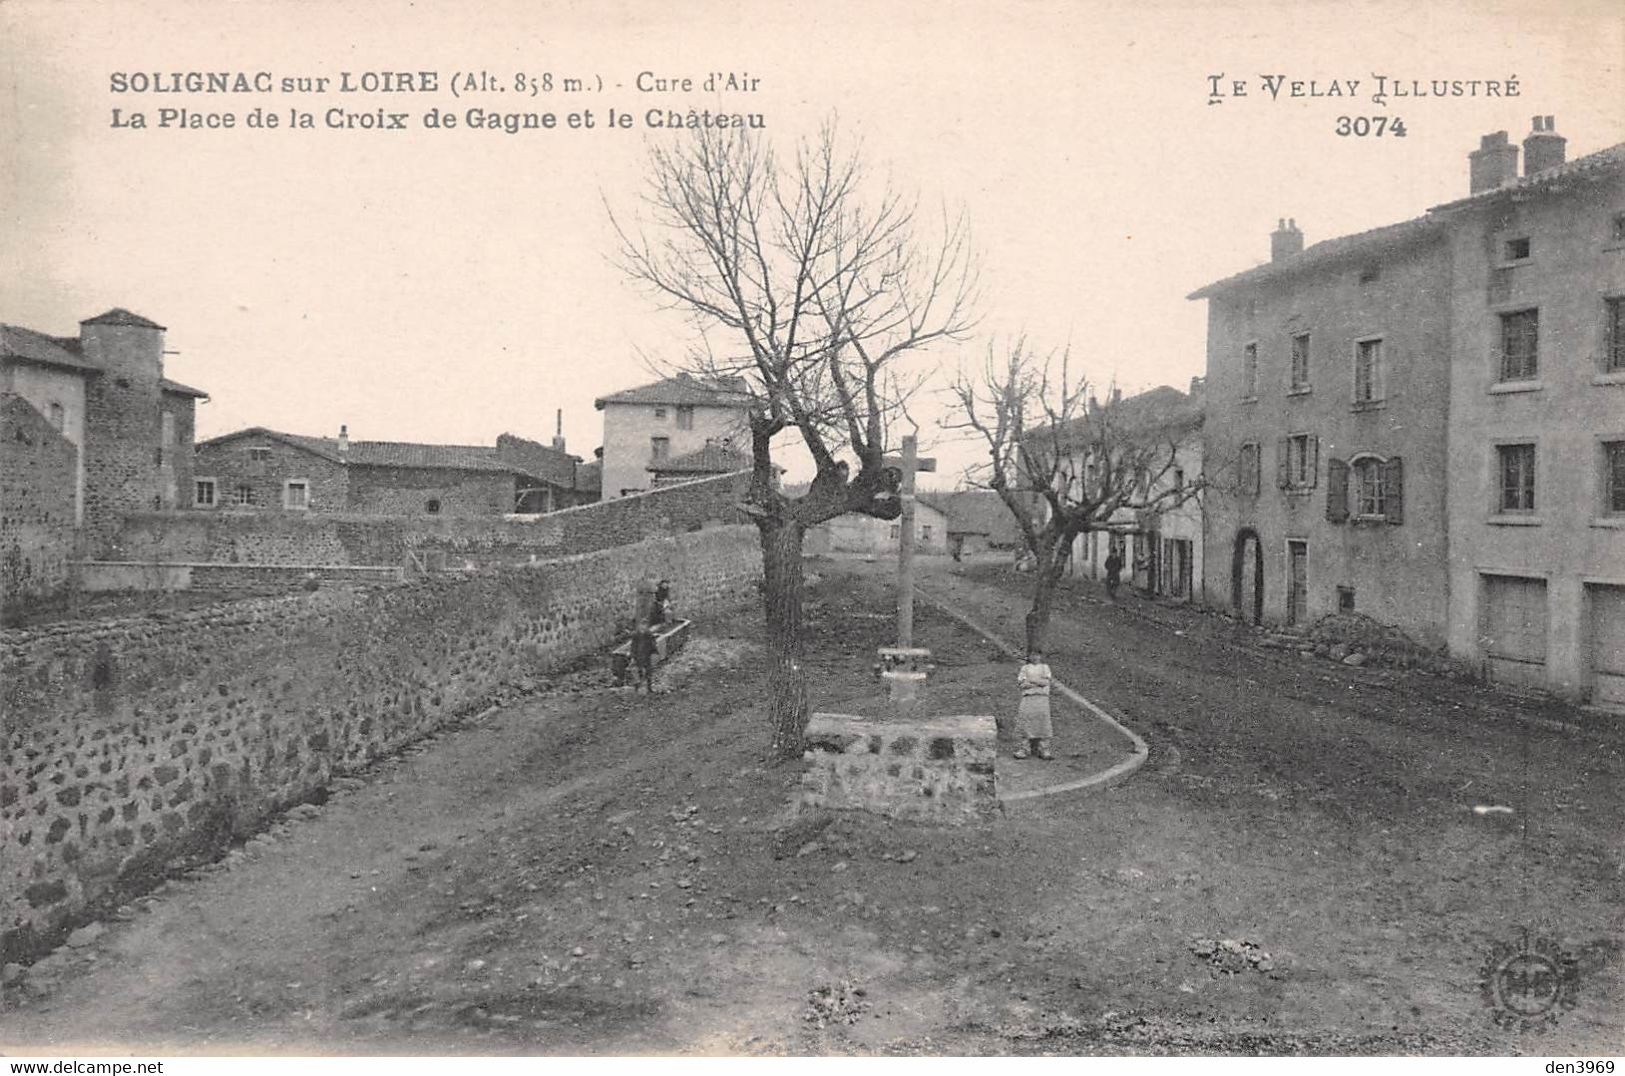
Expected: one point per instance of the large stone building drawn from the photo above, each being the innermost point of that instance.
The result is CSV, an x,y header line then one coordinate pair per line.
x,y
259,468
648,425
1328,370
129,427
1537,417
1444,400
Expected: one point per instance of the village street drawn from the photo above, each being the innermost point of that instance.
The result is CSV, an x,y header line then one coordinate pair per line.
x,y
587,871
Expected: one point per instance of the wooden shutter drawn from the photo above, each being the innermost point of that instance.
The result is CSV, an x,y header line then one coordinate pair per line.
x,y
1311,447
1393,489
1283,462
1256,478
1337,491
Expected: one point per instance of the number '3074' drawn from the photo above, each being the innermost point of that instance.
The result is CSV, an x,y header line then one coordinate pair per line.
x,y
1370,126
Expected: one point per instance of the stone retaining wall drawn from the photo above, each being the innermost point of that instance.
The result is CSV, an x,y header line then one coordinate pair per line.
x,y
130,744
271,536
930,769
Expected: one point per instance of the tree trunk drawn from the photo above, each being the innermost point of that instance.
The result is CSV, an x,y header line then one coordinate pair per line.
x,y
1047,572
781,606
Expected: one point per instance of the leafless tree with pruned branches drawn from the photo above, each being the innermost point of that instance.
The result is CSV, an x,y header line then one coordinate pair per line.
x,y
1063,465
811,286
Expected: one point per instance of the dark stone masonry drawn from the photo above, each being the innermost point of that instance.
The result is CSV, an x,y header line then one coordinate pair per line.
x,y
130,744
350,538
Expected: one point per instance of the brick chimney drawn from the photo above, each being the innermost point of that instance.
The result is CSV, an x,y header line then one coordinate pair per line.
x,y
558,429
1542,146
344,440
1493,164
1285,240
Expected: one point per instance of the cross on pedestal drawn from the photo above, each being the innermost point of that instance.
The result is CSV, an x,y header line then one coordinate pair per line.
x,y
904,666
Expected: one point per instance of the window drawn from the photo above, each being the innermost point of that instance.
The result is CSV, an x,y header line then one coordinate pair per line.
x,y
1516,250
660,414
1249,371
432,506
243,496
204,493
1613,348
1519,334
1345,599
660,448
1369,498
685,417
1297,461
896,531
1370,274
59,417
258,458
1368,372
1619,228
1517,474
296,493
925,532
1247,468
1179,478
1300,362
1613,477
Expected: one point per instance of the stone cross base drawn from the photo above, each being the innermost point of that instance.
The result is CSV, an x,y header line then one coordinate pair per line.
x,y
937,769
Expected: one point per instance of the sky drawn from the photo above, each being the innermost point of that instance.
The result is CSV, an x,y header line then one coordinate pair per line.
x,y
452,285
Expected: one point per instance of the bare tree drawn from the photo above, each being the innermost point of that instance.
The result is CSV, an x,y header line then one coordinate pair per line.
x,y
810,290
1063,465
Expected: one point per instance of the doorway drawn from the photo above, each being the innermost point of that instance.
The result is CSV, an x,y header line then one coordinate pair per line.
x,y
1247,577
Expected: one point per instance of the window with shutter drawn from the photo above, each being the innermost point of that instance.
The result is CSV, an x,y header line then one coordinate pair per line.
x,y
1311,476
1393,482
1337,491
1283,462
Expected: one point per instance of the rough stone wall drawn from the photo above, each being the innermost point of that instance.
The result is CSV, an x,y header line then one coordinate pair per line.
x,y
932,769
37,478
132,743
277,537
122,425
406,491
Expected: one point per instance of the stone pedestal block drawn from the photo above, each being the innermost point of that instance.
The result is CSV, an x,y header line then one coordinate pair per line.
x,y
936,769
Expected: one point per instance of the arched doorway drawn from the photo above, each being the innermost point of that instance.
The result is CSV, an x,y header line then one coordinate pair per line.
x,y
1247,576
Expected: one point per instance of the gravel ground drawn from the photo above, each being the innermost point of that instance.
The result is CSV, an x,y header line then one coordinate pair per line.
x,y
1297,869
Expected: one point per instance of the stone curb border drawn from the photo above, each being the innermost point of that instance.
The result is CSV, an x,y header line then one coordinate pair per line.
x,y
1141,751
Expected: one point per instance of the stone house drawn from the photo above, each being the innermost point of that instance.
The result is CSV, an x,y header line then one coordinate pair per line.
x,y
651,424
713,458
1536,436
258,468
854,532
1328,371
977,521
1444,397
105,392
1161,549
38,469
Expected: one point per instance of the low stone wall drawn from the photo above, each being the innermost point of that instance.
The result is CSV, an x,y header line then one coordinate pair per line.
x,y
929,769
130,744
269,536
103,576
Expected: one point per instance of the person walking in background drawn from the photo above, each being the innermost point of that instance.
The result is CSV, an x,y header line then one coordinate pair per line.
x,y
1033,723
1114,573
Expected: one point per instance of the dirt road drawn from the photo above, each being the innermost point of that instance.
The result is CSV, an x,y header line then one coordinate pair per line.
x,y
591,872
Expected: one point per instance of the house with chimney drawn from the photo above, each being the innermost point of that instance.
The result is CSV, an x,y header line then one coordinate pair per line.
x,y
1422,422
125,431
648,427
264,469
1536,463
